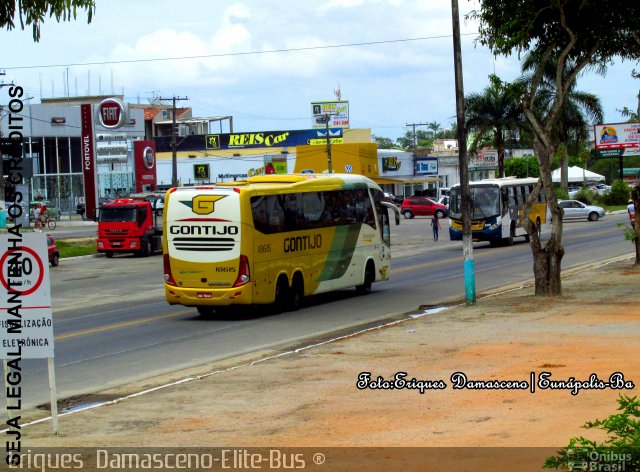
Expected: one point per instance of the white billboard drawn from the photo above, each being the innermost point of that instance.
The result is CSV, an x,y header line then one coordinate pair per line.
x,y
337,111
617,136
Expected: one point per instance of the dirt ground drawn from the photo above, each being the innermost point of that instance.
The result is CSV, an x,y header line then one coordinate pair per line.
x,y
310,398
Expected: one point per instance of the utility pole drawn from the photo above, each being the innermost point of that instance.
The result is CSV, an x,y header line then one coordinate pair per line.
x,y
174,134
327,118
467,243
415,138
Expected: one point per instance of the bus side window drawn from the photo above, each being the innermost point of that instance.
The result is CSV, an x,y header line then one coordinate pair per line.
x,y
259,211
504,193
369,217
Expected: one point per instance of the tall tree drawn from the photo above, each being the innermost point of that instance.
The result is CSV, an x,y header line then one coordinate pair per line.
x,y
492,114
574,35
579,112
31,12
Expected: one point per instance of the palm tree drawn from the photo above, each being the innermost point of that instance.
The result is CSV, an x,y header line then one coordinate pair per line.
x,y
434,127
491,115
579,112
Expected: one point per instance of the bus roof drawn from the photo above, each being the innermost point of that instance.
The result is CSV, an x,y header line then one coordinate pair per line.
x,y
301,181
503,182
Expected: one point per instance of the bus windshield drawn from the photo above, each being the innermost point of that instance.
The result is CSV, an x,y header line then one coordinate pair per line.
x,y
485,202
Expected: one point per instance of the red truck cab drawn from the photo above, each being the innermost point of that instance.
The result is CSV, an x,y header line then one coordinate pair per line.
x,y
128,225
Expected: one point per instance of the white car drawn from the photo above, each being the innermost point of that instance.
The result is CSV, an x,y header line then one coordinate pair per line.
x,y
574,209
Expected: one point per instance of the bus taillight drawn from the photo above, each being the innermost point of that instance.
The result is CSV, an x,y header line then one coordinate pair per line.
x,y
243,272
168,277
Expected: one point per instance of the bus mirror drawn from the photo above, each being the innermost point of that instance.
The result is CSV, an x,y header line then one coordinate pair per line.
x,y
395,210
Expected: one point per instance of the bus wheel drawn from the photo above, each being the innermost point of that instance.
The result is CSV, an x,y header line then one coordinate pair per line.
x,y
296,295
205,311
512,232
281,301
369,277
109,254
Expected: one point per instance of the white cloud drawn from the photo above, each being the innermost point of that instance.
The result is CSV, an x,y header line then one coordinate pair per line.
x,y
388,82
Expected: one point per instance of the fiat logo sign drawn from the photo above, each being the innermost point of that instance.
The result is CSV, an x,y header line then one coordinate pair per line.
x,y
148,158
111,113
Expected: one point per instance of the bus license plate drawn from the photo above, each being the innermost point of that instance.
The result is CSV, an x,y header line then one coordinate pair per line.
x,y
204,295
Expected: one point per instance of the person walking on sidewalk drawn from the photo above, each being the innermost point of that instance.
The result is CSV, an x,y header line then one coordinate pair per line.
x,y
435,225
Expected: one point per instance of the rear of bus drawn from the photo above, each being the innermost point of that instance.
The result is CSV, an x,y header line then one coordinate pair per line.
x,y
204,261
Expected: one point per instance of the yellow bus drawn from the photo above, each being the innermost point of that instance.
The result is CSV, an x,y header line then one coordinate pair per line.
x,y
496,209
274,239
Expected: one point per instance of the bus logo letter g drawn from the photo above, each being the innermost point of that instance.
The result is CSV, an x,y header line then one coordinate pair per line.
x,y
204,204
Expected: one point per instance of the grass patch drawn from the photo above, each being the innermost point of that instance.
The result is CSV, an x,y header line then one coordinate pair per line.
x,y
615,207
76,247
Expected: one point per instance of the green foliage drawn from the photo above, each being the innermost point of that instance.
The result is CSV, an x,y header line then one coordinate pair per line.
x,y
424,139
629,232
619,193
494,113
79,247
620,451
561,193
522,167
34,12
383,143
586,196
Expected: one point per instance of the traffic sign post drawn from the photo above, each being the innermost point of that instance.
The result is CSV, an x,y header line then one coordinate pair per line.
x,y
25,308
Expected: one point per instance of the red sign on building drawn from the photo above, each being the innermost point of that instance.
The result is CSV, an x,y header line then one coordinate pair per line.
x,y
88,160
111,113
145,158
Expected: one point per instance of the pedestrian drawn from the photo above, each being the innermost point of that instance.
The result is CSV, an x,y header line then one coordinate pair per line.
x,y
435,225
631,209
36,217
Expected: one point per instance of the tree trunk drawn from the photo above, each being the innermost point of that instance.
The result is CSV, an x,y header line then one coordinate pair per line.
x,y
635,196
547,260
500,148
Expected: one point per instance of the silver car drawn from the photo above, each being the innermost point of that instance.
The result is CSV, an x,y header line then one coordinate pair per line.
x,y
574,209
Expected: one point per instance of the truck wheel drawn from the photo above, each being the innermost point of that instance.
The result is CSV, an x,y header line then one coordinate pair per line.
x,y
145,251
109,254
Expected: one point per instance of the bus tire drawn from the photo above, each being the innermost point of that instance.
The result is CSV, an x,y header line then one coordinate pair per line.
x,y
109,254
281,297
369,277
512,232
205,311
296,294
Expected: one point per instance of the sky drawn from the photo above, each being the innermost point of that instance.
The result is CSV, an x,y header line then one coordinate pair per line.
x,y
391,59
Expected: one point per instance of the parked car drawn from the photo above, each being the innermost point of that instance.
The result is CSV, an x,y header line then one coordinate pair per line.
x,y
54,255
601,189
574,209
422,206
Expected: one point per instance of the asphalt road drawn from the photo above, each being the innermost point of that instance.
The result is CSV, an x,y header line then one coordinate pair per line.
x,y
112,325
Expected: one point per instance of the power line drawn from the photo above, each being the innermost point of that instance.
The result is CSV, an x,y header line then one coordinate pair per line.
x,y
232,54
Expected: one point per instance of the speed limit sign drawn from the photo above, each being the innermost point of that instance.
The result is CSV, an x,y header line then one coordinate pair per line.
x,y
25,296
